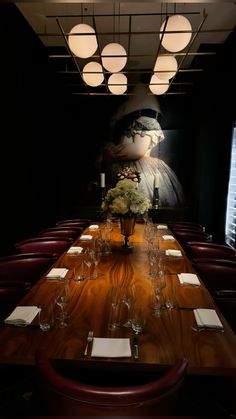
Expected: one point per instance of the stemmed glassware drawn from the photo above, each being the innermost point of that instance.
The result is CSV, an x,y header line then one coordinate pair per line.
x,y
127,297
159,283
115,300
61,301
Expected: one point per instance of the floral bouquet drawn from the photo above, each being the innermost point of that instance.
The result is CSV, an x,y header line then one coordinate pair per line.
x,y
125,199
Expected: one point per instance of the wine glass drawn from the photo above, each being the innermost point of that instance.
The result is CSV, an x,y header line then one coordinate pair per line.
x,y
115,300
127,297
61,301
158,283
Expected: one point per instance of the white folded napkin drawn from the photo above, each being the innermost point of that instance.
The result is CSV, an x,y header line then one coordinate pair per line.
x,y
111,347
206,317
57,273
162,227
22,315
86,237
188,278
173,252
168,237
93,227
75,250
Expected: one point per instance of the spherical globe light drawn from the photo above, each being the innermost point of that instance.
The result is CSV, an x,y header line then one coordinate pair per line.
x,y
163,66
158,86
117,83
114,57
82,46
176,41
93,74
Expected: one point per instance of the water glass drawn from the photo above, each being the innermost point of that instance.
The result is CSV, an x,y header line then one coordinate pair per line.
x,y
46,317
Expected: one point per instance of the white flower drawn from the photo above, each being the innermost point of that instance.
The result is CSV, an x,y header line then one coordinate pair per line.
x,y
125,199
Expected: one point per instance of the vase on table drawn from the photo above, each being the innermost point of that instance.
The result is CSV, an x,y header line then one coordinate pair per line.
x,y
127,225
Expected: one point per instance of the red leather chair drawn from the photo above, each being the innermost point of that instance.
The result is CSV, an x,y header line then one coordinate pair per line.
x,y
53,245
209,250
186,225
184,236
63,396
226,301
11,292
217,274
69,232
25,267
76,222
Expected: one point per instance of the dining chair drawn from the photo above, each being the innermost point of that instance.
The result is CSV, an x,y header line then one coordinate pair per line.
x,y
64,396
53,245
217,274
226,301
209,250
69,232
184,236
11,292
186,225
25,267
76,222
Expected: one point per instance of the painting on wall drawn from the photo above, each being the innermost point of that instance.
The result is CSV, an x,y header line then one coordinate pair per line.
x,y
137,141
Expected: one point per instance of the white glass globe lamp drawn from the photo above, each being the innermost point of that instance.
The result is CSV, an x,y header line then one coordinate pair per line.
x,y
175,41
165,67
114,57
158,86
117,83
83,46
93,74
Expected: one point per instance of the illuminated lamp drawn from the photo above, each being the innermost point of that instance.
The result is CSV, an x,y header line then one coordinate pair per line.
x,y
158,86
82,46
176,41
165,67
93,74
117,83
114,57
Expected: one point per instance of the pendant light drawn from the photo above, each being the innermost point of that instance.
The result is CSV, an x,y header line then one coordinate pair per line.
x,y
158,86
117,83
175,41
93,74
165,67
114,57
81,45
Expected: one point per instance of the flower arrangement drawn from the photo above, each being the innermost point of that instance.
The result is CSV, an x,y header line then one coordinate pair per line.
x,y
125,199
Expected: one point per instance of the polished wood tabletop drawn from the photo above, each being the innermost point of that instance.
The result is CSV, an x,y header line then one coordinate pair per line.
x,y
164,338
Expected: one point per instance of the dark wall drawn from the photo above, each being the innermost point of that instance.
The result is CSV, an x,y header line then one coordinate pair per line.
x,y
211,117
49,140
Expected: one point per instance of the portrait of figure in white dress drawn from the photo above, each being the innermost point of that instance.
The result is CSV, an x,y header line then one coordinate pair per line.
x,y
137,135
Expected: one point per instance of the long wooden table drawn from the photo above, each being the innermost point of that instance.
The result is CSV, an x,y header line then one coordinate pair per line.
x,y
163,340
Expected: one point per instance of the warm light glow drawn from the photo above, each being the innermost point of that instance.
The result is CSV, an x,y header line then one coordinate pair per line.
x,y
117,83
158,86
93,74
176,41
83,46
114,57
163,66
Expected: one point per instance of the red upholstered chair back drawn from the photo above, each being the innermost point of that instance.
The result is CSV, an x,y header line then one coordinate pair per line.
x,y
76,222
63,396
186,226
184,236
27,267
209,250
217,274
69,232
52,245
